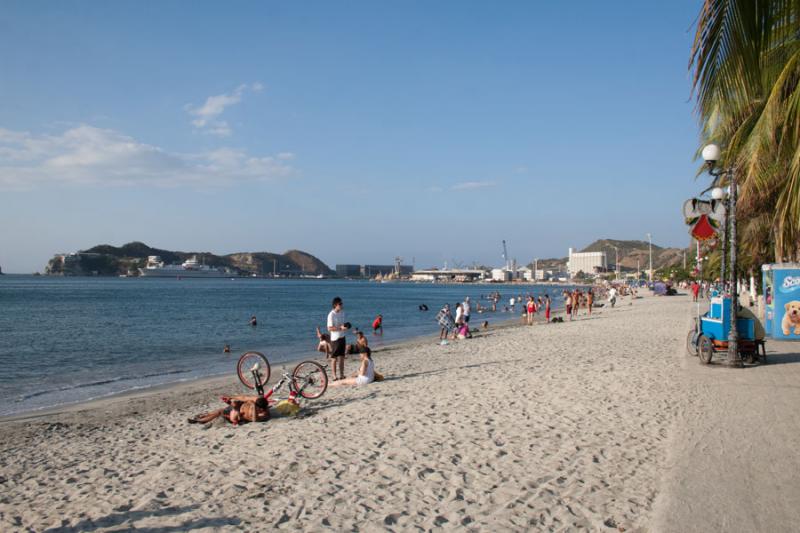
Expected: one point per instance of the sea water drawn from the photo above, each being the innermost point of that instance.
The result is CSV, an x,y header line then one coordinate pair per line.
x,y
65,340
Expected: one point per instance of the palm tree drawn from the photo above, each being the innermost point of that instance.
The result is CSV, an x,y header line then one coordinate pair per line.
x,y
746,63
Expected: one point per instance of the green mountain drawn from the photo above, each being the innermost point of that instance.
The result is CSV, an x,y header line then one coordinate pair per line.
x,y
108,260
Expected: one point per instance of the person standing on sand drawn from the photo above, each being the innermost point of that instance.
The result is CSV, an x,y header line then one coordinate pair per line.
x,y
576,302
568,303
695,291
337,326
467,309
445,319
589,299
531,308
547,307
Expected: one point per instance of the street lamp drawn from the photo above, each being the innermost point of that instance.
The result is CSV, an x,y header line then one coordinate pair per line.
x,y
718,194
650,241
616,262
711,154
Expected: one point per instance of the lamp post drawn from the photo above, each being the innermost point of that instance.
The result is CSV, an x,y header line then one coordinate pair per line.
x,y
711,155
616,263
718,194
650,243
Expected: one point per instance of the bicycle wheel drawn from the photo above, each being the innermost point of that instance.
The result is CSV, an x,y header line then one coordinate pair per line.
x,y
691,346
248,362
705,349
310,380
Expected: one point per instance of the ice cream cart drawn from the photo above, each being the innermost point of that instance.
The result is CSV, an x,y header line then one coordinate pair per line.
x,y
710,334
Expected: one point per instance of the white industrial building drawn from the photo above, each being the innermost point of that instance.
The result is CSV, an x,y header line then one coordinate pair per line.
x,y
586,262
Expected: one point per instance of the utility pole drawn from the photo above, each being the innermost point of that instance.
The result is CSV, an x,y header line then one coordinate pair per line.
x,y
616,262
650,242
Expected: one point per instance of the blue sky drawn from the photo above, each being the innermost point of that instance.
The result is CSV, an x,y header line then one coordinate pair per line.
x,y
355,131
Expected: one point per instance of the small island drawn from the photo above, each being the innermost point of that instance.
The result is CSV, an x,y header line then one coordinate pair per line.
x,y
135,258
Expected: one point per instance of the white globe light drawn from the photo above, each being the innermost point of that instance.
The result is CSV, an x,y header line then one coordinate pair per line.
x,y
711,153
717,193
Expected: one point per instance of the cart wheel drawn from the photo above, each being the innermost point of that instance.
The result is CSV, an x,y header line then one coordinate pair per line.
x,y
691,344
705,349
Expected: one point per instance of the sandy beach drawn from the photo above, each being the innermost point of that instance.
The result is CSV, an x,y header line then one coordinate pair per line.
x,y
551,427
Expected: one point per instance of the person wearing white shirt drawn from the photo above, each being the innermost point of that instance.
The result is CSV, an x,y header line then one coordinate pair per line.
x,y
467,309
337,326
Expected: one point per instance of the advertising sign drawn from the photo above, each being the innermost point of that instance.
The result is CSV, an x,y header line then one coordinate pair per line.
x,y
782,299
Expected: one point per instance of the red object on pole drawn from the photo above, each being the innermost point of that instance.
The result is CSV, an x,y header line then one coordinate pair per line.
x,y
703,230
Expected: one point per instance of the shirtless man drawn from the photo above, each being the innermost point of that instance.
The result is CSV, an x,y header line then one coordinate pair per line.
x,y
240,410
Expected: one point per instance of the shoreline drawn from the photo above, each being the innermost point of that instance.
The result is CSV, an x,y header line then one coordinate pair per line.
x,y
216,381
544,427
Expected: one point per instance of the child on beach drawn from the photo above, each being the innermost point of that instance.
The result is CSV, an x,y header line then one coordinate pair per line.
x,y
377,324
589,300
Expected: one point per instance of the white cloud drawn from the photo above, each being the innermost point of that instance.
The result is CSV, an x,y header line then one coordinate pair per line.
x,y
86,155
206,115
469,185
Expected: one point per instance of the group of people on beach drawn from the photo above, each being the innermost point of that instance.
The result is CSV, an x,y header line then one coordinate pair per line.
x,y
455,327
333,343
575,299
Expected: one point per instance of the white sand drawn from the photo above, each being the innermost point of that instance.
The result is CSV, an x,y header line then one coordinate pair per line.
x,y
551,427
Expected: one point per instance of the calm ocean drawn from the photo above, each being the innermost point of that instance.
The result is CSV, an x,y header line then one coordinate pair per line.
x,y
64,340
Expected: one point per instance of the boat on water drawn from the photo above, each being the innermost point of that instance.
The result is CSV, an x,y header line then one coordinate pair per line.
x,y
191,268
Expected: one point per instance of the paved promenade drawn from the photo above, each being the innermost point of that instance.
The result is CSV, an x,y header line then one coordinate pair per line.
x,y
734,462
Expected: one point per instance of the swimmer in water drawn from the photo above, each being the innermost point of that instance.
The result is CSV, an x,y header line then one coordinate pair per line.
x,y
253,321
227,348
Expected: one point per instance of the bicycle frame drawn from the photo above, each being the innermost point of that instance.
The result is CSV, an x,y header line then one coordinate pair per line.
x,y
286,377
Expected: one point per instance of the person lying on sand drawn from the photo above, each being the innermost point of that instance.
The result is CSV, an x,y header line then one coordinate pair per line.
x,y
241,409
365,374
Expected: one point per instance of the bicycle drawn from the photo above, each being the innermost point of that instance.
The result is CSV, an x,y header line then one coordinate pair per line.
x,y
309,379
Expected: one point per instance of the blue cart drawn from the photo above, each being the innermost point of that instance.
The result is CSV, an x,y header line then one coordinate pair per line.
x,y
710,334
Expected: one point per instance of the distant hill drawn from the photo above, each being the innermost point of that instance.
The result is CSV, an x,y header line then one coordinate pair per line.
x,y
107,260
630,252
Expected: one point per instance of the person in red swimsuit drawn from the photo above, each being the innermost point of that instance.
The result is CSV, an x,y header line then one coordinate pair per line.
x,y
377,324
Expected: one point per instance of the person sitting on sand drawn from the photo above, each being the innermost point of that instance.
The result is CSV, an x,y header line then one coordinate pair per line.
x,y
463,331
361,345
364,376
324,345
241,409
